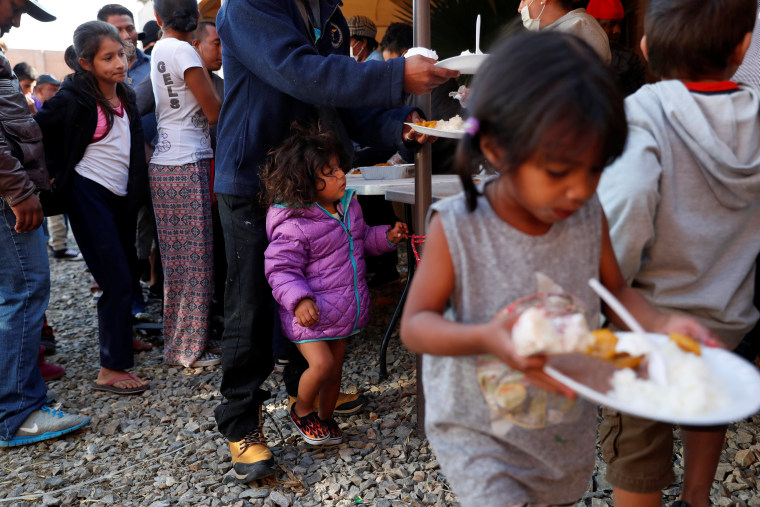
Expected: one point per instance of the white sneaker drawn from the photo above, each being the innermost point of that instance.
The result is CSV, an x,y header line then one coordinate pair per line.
x,y
67,254
43,424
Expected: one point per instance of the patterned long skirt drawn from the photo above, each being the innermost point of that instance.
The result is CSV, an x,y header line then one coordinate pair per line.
x,y
182,206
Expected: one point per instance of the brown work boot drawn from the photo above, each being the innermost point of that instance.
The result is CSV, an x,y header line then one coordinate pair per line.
x,y
346,404
251,457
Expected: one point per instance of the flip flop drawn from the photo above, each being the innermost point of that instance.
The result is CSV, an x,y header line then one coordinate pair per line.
x,y
138,345
111,388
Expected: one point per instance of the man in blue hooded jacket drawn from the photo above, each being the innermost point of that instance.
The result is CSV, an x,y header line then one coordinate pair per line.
x,y
285,60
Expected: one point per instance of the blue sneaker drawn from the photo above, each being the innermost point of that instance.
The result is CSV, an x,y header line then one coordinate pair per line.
x,y
43,424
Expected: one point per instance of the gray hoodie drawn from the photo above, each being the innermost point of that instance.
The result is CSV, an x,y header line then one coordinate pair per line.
x,y
683,203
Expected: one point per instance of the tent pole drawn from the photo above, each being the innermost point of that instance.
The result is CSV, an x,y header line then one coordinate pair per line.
x,y
422,175
423,160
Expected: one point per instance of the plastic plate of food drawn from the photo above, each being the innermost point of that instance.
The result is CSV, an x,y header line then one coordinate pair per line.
x,y
431,128
466,64
705,386
385,171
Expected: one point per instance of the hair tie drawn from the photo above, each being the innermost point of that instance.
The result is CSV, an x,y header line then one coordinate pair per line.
x,y
472,126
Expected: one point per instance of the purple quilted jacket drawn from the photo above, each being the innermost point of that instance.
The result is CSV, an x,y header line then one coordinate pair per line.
x,y
312,254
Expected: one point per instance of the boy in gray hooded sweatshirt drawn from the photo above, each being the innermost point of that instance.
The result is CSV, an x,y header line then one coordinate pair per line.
x,y
683,205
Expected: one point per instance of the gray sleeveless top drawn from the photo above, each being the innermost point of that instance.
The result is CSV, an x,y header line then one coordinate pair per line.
x,y
545,443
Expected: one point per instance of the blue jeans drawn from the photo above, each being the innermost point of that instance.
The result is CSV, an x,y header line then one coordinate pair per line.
x,y
24,294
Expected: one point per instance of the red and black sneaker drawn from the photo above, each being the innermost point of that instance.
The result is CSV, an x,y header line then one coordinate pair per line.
x,y
336,435
309,427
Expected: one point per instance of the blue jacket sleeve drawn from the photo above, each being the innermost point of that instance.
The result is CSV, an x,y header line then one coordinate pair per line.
x,y
379,128
270,39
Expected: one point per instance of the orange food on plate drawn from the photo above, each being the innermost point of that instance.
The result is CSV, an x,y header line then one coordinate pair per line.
x,y
383,164
627,361
604,346
686,343
429,124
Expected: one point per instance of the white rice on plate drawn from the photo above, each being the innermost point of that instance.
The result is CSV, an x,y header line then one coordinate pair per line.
x,y
691,387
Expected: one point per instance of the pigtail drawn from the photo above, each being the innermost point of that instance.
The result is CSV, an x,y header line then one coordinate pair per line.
x,y
467,161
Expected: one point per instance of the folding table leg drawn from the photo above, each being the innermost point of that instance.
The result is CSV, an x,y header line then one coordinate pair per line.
x,y
411,263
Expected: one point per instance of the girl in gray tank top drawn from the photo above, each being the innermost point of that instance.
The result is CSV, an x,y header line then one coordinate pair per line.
x,y
547,116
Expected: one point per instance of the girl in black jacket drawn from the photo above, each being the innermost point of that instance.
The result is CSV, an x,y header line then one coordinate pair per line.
x,y
94,150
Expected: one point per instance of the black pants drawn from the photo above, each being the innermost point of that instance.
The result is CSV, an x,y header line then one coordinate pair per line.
x,y
220,263
105,232
247,340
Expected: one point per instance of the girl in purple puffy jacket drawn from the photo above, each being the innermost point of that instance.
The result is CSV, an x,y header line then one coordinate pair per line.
x,y
315,265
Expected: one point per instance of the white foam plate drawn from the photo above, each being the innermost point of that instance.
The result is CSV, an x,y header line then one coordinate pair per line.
x,y
740,378
466,64
387,172
452,134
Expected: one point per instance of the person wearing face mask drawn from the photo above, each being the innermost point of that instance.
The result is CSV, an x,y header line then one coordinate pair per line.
x,y
363,44
559,15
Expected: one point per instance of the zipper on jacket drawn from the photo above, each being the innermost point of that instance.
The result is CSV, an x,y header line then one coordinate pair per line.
x,y
307,14
347,228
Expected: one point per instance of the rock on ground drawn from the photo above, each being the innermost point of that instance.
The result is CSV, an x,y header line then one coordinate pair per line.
x,y
162,448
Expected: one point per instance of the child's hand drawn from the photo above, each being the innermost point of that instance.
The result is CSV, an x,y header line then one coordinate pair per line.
x,y
501,346
307,312
399,232
690,327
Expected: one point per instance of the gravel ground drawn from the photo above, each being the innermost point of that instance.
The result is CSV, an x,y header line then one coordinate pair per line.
x,y
162,448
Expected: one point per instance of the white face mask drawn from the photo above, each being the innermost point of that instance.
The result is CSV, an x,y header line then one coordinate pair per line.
x,y
355,56
531,24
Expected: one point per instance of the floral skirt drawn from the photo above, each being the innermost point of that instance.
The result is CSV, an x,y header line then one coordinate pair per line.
x,y
182,205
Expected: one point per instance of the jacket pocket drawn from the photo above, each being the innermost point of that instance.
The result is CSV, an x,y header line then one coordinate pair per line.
x,y
25,139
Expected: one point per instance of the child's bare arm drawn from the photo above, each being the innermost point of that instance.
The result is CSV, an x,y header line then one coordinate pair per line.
x,y
425,331
648,316
199,82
